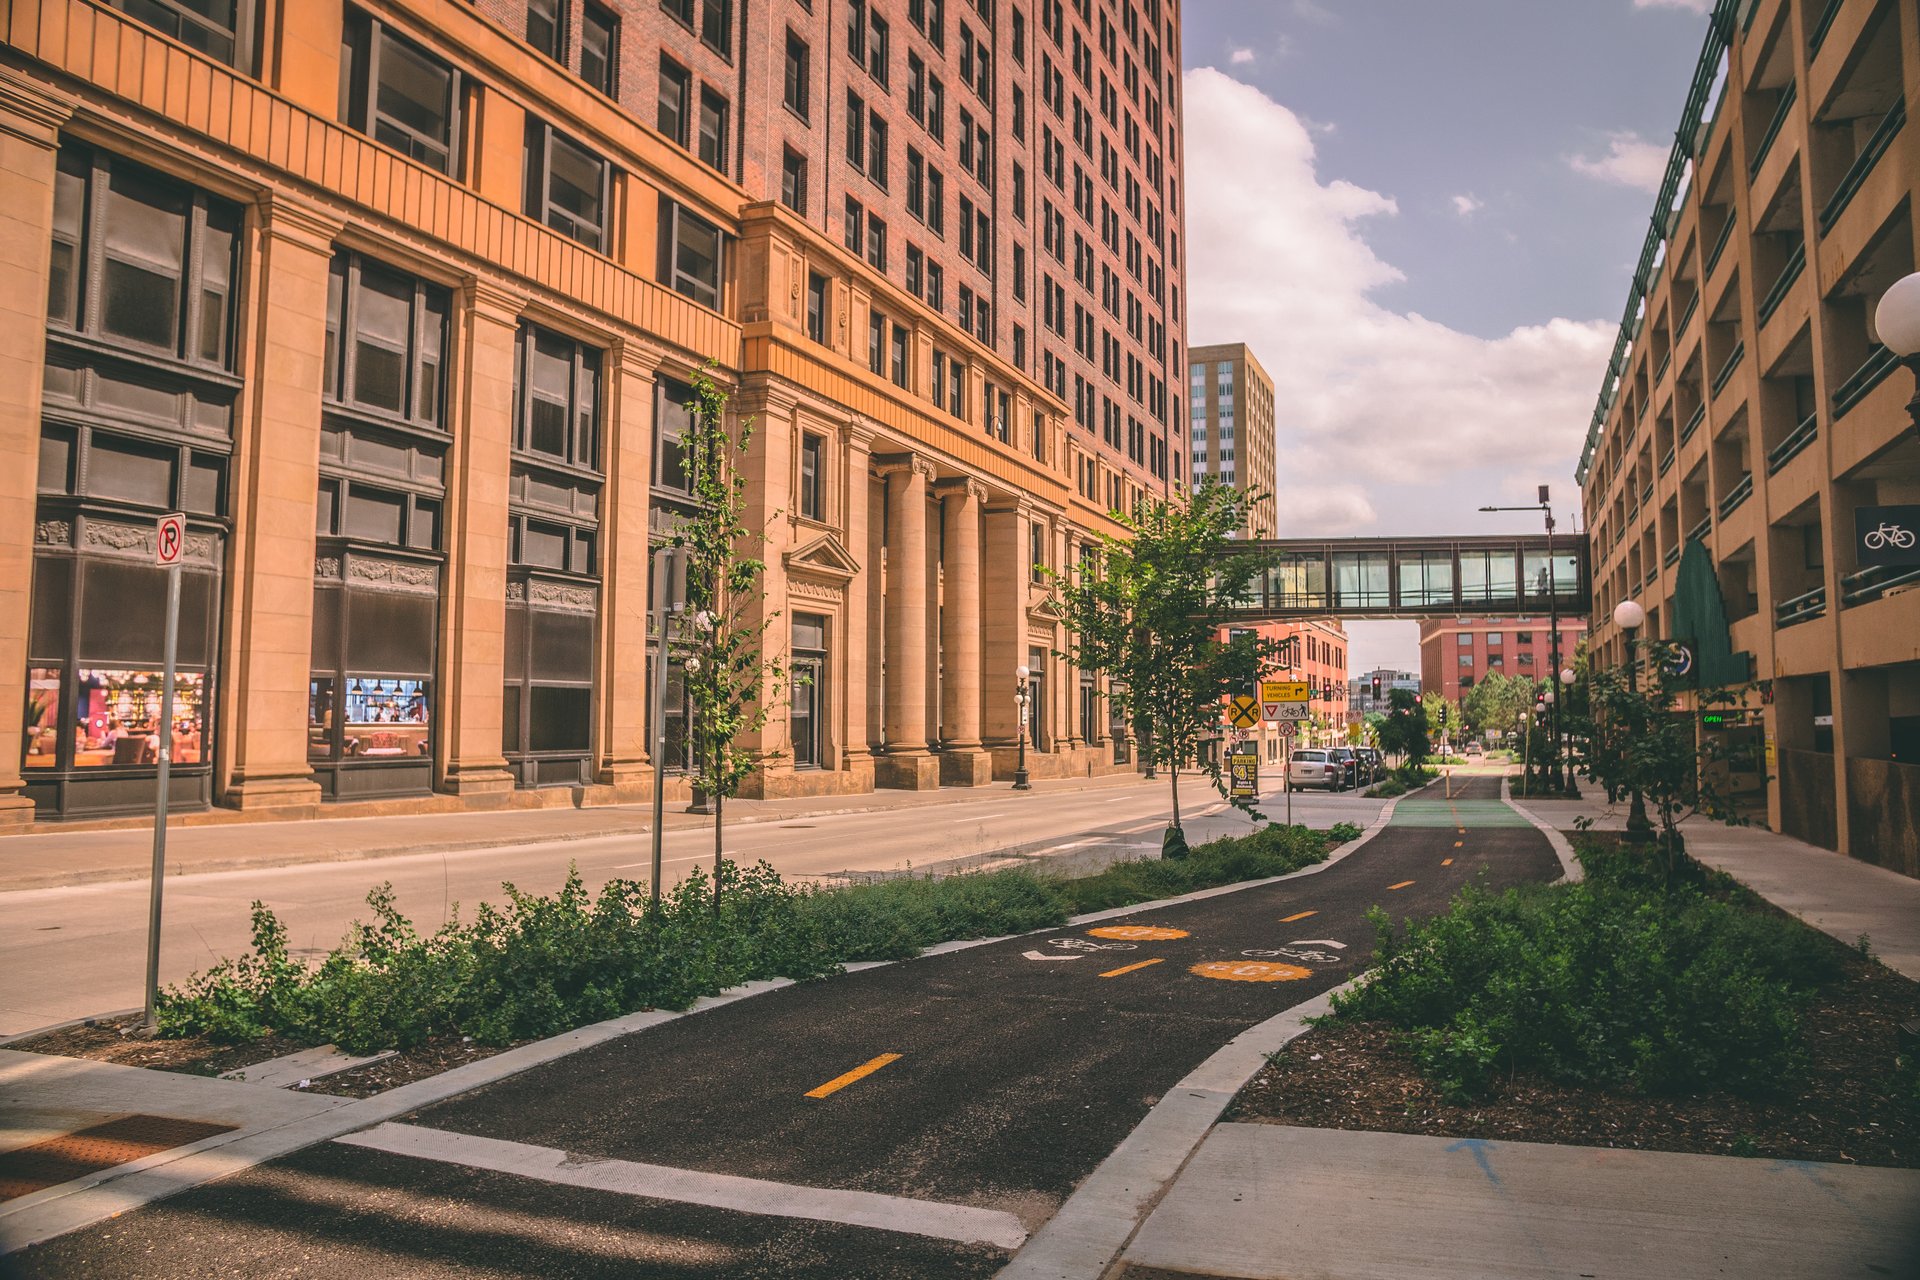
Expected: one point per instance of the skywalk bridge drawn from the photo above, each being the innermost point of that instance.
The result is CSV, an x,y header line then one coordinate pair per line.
x,y
1514,575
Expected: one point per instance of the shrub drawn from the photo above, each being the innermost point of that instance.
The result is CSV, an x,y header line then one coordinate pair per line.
x,y
1600,983
1342,832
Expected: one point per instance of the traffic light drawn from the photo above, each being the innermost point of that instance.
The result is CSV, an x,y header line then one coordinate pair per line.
x,y
1376,688
1443,715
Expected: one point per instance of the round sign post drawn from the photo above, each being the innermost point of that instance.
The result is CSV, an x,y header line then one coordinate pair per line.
x,y
169,545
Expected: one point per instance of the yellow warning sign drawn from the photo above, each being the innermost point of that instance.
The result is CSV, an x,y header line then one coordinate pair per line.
x,y
1137,933
1283,691
1250,971
1243,712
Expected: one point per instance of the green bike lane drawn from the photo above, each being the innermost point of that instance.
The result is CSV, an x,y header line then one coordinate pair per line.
x,y
912,1120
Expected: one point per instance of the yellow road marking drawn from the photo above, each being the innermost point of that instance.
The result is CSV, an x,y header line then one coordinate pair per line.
x,y
1446,862
1458,843
1129,968
860,1072
1137,932
1403,884
1250,971
1298,915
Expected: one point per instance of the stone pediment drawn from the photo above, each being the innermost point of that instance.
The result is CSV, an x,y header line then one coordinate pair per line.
x,y
825,557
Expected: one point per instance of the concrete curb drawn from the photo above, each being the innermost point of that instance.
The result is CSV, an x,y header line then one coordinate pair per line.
x,y
7,1042
1570,868
1093,1227
114,1191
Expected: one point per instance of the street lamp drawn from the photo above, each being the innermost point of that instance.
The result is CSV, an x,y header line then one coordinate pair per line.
x,y
1022,699
1629,616
1545,508
1897,319
1567,678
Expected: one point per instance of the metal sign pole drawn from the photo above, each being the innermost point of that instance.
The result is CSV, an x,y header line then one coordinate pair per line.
x,y
164,757
665,562
1286,776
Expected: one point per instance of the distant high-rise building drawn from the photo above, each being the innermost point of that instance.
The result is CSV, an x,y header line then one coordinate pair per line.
x,y
1232,421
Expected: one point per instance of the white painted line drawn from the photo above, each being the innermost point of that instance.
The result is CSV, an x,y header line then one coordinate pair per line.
x,y
959,1222
1038,955
1570,869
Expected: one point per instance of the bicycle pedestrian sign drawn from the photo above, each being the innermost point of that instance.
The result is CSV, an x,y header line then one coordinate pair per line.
x,y
1284,699
1887,535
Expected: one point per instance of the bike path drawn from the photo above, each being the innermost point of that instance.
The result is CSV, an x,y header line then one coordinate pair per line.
x,y
986,1081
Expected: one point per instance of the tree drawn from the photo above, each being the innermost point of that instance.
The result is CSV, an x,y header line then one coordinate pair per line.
x,y
1405,728
730,681
1152,612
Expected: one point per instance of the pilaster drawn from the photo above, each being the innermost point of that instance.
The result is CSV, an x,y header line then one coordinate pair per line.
x,y
963,763
858,654
625,564
908,763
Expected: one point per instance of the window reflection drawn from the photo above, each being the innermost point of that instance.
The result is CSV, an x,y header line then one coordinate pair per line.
x,y
117,717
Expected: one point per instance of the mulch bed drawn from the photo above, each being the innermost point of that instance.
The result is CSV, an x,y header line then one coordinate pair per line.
x,y
1349,1075
430,1058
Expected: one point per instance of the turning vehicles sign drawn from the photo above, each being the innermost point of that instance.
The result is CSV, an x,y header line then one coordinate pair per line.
x,y
1284,699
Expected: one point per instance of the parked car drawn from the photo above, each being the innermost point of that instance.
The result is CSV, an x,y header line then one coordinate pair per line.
x,y
1475,749
1350,761
1313,767
1372,763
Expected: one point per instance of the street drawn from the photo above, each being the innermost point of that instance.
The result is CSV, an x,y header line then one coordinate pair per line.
x,y
76,951
958,1099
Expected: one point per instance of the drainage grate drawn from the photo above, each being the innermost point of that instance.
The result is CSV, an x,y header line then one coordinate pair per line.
x,y
73,1155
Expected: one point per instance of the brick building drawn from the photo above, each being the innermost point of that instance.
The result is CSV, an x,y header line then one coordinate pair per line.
x,y
1455,653
400,303
1315,651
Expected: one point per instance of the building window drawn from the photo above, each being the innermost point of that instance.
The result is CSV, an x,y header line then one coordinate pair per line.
x,y
1037,699
817,307
398,94
1037,551
716,26
567,185
386,341
681,9
855,230
799,76
713,129
813,476
672,421
547,27
877,48
557,408
876,243
600,49
1466,662
793,181
957,389
224,32
674,89
692,254
807,713
936,286
876,343
856,131
877,148
1493,638
899,355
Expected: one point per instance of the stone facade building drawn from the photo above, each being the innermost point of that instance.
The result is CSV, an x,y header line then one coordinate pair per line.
x,y
1231,402
400,301
1751,416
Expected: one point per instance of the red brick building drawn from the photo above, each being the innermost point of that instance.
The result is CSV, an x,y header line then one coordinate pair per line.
x,y
1455,653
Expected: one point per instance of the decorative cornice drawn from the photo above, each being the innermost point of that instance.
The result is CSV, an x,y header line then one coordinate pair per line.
x,y
297,222
962,487
393,575
636,357
32,111
860,432
493,300
562,595
903,464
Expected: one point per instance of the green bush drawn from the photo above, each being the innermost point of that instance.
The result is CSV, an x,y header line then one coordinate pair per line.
x,y
1607,982
1342,832
537,965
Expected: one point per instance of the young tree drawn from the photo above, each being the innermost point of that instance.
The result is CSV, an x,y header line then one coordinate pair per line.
x,y
1405,730
730,680
1152,614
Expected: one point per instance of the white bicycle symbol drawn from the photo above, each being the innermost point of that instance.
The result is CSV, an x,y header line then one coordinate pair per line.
x,y
1291,953
1888,534
1081,944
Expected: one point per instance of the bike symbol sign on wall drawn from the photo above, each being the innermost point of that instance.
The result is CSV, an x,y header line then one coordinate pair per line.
x,y
1887,535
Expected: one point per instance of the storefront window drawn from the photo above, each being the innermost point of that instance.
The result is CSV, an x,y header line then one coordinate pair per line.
x,y
117,717
43,718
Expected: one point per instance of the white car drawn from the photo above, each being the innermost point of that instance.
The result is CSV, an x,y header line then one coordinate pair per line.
x,y
1316,768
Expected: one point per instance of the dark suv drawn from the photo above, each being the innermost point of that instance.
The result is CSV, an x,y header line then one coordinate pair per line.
x,y
1373,765
1349,761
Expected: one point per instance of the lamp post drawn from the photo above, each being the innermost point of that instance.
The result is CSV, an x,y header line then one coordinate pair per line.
x,y
1629,616
1545,508
1897,320
1567,678
1022,699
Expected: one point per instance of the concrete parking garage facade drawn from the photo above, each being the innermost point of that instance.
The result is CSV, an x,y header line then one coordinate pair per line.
x,y
401,304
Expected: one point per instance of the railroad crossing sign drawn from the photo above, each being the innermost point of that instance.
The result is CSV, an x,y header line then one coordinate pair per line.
x,y
1276,696
1243,712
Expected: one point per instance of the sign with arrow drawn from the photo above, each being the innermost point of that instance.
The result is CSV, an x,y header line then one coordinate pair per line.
x,y
1284,699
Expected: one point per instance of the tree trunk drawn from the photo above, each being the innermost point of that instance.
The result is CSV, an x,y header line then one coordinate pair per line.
x,y
1173,776
719,802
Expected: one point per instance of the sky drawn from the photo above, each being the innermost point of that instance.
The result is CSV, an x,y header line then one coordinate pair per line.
x,y
1423,216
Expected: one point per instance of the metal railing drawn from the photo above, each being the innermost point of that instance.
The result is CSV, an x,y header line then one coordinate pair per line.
x,y
1863,164
1822,25
1800,437
1802,608
1672,557
1661,370
1698,416
1796,263
1774,126
1878,364
1700,531
1666,463
1741,491
1874,581
1686,316
1720,241
1732,363
1646,492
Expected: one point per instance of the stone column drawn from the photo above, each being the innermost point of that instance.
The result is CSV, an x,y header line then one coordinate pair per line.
x,y
473,641
857,655
964,763
621,744
908,763
769,468
30,120
1003,628
269,599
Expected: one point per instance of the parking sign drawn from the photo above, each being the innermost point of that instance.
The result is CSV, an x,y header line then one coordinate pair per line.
x,y
170,540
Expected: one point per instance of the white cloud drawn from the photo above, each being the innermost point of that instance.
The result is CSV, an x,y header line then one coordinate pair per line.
x,y
1691,6
1630,160
1467,205
1279,260
1241,56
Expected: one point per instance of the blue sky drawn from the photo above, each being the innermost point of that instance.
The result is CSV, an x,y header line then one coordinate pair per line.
x,y
1423,215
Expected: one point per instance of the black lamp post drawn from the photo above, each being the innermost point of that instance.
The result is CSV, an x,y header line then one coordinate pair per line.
x,y
1545,508
1629,616
1022,699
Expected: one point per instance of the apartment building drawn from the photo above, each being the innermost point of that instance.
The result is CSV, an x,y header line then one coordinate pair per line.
x,y
1230,398
1456,653
1315,651
1750,415
401,303
1361,701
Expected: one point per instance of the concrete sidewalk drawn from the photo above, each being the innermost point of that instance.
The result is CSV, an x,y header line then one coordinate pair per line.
x,y
49,856
1841,896
1272,1202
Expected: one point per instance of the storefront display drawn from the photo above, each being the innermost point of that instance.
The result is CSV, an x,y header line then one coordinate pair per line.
x,y
117,718
381,718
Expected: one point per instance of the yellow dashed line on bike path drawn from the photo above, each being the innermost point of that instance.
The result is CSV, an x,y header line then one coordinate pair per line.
x,y
1298,915
1129,968
1446,862
1403,884
860,1072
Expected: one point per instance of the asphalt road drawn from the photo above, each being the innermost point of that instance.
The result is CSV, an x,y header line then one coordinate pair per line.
x,y
984,1079
80,950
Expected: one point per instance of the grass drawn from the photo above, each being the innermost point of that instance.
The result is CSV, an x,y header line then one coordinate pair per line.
x,y
537,966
